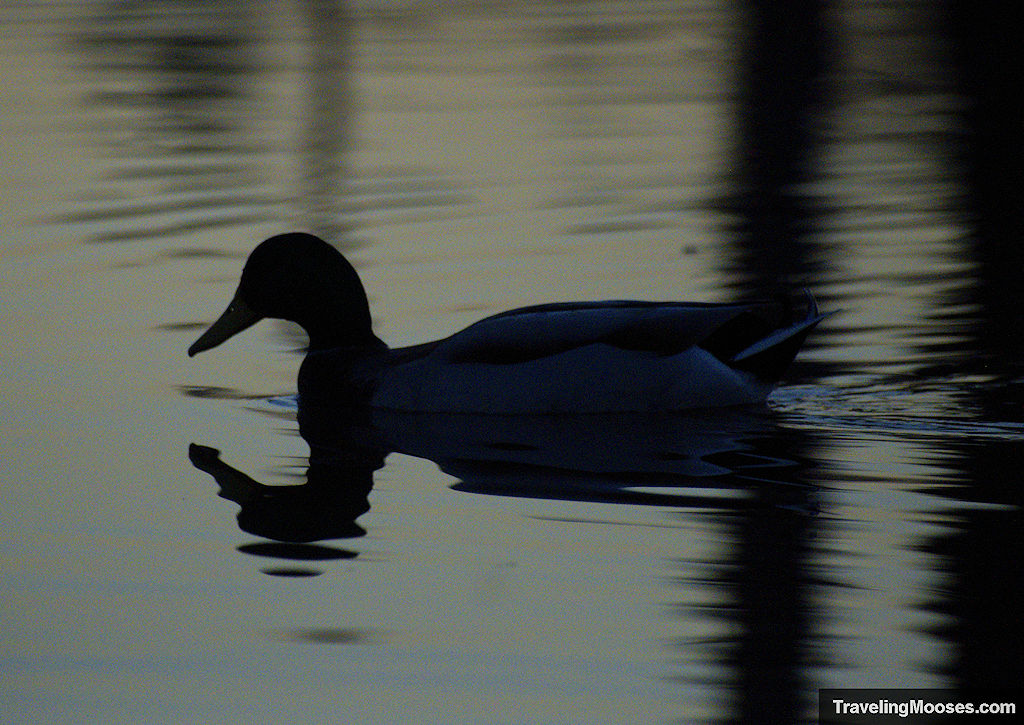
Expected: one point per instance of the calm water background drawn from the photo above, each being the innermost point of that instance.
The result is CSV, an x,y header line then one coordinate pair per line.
x,y
864,529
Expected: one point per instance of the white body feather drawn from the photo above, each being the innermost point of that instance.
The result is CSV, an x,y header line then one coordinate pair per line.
x,y
593,378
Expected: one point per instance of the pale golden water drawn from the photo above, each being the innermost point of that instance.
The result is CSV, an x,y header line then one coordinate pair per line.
x,y
863,529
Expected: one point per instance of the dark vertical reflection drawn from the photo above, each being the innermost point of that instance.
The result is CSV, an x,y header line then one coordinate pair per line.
x,y
773,588
985,594
767,586
989,61
326,176
982,602
782,97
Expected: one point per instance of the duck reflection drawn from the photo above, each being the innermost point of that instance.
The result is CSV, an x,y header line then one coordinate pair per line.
x,y
338,481
707,459
678,459
736,466
325,507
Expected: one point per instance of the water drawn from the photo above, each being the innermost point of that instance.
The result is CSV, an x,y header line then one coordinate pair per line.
x,y
860,530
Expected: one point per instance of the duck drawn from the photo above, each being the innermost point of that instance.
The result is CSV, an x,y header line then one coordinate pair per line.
x,y
563,357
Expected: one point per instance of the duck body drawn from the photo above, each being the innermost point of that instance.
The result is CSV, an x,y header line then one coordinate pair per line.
x,y
572,357
586,357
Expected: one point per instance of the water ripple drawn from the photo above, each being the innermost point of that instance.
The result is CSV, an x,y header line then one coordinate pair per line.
x,y
890,411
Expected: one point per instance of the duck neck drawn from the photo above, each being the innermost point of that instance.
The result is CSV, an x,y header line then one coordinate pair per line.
x,y
328,337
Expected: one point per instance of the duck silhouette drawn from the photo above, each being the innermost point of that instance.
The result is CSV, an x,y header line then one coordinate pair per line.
x,y
565,357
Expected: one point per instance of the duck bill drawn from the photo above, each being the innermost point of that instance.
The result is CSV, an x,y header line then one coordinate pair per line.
x,y
237,317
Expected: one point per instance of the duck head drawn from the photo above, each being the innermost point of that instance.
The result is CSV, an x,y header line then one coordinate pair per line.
x,y
301,278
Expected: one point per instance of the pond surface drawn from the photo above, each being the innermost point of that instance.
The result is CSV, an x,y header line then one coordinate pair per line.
x,y
861,529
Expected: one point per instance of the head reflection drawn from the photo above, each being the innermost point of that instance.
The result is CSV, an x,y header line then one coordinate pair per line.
x,y
293,518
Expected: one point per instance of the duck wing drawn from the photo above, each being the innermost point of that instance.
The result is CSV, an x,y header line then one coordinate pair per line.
x,y
656,328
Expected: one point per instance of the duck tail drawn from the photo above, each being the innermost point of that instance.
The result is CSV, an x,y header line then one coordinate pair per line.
x,y
768,357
